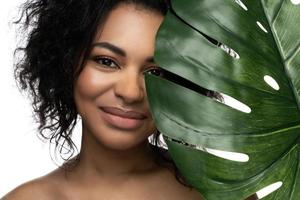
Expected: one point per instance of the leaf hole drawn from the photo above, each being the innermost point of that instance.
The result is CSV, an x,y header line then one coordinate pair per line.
x,y
271,82
261,27
190,85
236,104
229,51
268,189
295,2
241,4
216,96
227,155
211,40
159,139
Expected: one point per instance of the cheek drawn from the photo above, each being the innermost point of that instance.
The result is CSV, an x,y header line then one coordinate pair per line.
x,y
90,84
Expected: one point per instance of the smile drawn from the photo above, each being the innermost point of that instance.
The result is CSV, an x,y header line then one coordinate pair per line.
x,y
120,121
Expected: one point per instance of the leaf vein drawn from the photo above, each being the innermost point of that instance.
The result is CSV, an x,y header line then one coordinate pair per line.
x,y
277,12
297,173
253,48
246,134
291,53
292,87
213,73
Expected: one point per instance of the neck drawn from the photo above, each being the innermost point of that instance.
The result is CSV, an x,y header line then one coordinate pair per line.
x,y
96,160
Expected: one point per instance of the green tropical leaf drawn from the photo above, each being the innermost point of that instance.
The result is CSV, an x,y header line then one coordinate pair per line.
x,y
259,40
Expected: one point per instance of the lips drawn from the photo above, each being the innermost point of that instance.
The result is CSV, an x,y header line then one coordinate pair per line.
x,y
124,114
125,120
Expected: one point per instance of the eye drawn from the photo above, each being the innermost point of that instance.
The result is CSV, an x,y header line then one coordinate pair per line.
x,y
157,71
105,61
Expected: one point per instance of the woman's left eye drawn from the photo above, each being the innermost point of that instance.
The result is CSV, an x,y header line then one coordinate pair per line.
x,y
157,71
107,62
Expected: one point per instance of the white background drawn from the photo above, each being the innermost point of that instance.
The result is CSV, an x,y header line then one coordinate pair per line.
x,y
23,156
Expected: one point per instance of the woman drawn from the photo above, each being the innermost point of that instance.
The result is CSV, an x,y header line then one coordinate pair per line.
x,y
88,58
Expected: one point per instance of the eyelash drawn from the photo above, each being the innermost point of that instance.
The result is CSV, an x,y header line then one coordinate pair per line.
x,y
154,70
98,59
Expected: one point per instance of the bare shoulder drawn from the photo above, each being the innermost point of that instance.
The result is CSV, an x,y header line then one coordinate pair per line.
x,y
176,190
37,189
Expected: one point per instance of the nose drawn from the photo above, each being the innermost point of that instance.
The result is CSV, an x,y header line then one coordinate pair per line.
x,y
130,87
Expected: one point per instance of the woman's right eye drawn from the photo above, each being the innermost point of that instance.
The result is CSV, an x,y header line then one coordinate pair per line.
x,y
105,61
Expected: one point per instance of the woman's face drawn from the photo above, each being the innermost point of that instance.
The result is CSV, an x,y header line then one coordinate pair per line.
x,y
112,81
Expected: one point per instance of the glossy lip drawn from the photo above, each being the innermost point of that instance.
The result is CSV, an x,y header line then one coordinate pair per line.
x,y
121,119
123,113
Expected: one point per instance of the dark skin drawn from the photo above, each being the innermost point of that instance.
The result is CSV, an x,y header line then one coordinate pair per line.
x,y
115,162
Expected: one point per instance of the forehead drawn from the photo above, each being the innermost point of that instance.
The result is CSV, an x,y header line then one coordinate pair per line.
x,y
130,27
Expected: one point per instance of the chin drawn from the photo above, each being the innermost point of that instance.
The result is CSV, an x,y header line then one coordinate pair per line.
x,y
124,146
118,139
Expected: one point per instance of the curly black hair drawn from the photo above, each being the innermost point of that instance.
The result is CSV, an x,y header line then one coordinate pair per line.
x,y
58,36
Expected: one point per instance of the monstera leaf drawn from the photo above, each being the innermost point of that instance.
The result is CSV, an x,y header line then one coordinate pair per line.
x,y
249,51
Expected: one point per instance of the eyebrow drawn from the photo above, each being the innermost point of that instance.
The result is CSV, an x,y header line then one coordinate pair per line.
x,y
111,47
117,50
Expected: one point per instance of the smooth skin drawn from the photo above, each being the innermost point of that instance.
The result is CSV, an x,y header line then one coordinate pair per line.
x,y
115,163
